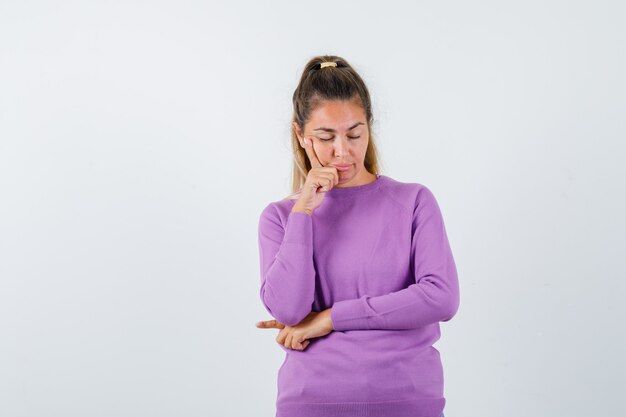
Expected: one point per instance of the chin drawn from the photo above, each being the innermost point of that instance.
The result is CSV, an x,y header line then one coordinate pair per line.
x,y
345,176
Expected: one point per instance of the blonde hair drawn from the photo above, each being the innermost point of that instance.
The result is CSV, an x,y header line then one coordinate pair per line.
x,y
317,84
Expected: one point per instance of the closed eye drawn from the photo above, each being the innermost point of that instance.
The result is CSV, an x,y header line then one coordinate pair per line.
x,y
349,137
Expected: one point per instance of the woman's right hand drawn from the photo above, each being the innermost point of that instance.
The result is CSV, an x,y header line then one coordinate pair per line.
x,y
319,181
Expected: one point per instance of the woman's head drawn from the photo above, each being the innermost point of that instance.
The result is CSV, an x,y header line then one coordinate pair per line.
x,y
332,103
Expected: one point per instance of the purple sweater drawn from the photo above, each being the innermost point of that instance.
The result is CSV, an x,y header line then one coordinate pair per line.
x,y
378,254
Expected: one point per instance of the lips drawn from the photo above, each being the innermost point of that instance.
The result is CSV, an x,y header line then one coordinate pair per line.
x,y
342,167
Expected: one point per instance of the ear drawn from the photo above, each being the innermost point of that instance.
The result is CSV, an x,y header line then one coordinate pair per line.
x,y
298,133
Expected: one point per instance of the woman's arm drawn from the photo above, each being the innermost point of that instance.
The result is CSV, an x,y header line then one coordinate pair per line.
x,y
287,270
435,295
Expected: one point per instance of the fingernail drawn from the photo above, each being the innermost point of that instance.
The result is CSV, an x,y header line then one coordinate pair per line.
x,y
305,140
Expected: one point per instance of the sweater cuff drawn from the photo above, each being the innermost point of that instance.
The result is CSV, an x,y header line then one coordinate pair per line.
x,y
349,315
299,228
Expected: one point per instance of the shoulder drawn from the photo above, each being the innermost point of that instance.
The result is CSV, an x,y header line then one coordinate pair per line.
x,y
277,211
419,201
409,194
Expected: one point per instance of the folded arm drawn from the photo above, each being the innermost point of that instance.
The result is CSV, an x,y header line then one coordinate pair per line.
x,y
287,270
434,296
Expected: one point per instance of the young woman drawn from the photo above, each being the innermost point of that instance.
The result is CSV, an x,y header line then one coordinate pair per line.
x,y
356,267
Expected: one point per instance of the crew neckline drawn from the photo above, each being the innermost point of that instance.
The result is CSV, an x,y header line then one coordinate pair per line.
x,y
357,189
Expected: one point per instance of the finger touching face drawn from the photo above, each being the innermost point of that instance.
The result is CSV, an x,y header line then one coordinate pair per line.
x,y
310,151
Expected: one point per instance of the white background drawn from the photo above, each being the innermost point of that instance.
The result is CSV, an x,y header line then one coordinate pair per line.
x,y
139,141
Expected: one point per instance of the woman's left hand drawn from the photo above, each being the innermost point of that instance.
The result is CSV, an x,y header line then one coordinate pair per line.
x,y
315,324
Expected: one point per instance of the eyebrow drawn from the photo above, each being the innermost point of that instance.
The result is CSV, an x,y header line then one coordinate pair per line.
x,y
327,129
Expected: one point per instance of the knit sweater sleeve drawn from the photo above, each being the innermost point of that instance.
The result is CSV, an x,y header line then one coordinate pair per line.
x,y
434,296
287,269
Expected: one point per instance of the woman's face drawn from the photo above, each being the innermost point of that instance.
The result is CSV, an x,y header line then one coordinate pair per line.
x,y
341,136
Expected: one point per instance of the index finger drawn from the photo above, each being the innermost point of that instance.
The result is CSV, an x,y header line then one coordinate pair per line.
x,y
269,324
308,147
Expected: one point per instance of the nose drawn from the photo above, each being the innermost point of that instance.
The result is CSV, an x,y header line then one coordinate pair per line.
x,y
340,147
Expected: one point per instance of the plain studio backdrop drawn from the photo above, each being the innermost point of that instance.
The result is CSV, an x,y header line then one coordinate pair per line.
x,y
140,140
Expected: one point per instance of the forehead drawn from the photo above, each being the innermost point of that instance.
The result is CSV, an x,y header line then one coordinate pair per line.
x,y
338,115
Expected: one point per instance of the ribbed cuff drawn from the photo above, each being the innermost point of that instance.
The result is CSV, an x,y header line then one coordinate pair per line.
x,y
349,315
299,228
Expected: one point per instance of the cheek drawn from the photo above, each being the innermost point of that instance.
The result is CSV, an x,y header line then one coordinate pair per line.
x,y
322,148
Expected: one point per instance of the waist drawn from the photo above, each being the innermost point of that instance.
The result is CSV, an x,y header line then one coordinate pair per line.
x,y
424,407
367,366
